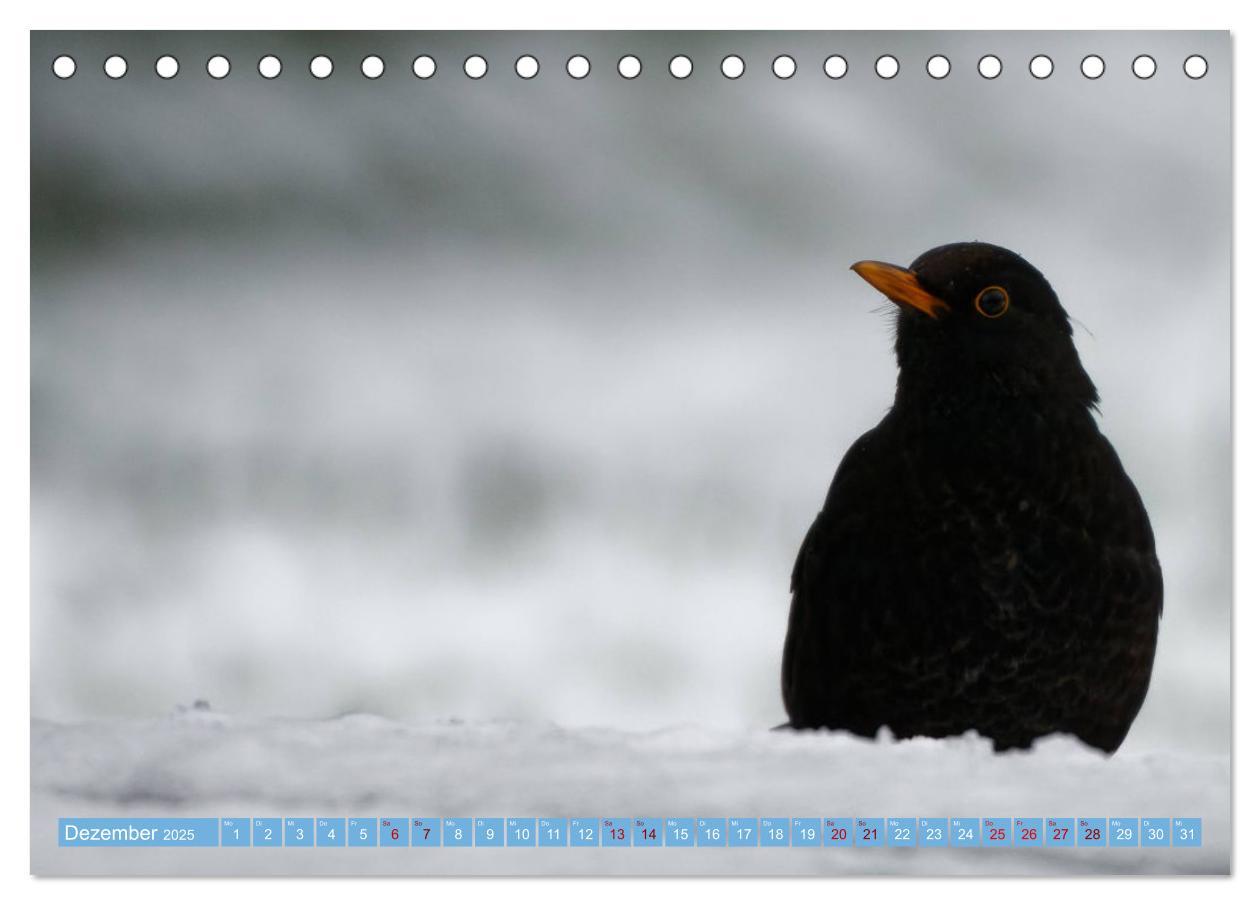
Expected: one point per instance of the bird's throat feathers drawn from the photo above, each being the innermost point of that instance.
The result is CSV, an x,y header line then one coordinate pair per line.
x,y
935,373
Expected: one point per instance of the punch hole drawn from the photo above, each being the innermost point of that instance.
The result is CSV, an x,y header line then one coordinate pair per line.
x,y
115,66
372,66
64,66
1041,66
218,66
423,67
680,66
886,67
1195,66
1092,67
938,66
835,66
578,66
166,67
526,66
476,67
784,67
321,66
269,67
1144,66
990,66
732,66
629,67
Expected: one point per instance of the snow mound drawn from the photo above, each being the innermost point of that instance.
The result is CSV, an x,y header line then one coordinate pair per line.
x,y
201,763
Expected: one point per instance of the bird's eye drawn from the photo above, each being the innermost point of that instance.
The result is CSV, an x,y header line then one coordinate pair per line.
x,y
992,301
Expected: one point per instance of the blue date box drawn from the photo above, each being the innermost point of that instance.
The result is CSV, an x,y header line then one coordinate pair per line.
x,y
393,832
996,832
1187,832
457,832
806,832
711,832
1091,832
1028,832
649,832
234,831
933,832
838,832
489,832
901,832
1155,831
299,832
868,832
615,832
964,832
775,832
553,832
268,832
521,832
1060,831
330,831
1123,832
584,832
742,832
426,832
680,832
361,832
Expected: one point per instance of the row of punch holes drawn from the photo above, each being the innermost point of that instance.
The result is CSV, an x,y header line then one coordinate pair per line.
x,y
630,67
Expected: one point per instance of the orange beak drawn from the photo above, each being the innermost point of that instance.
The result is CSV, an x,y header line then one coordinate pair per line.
x,y
900,285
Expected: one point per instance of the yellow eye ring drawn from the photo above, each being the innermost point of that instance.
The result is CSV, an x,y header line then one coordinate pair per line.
x,y
992,301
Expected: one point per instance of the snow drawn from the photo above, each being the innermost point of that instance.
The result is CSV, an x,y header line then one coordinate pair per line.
x,y
207,764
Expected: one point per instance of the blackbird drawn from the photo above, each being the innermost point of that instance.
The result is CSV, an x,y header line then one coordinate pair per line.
x,y
982,561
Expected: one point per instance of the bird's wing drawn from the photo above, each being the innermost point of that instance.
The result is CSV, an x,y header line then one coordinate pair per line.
x,y
830,549
1121,608
860,458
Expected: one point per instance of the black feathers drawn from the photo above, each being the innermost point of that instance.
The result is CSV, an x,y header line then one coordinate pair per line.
x,y
981,561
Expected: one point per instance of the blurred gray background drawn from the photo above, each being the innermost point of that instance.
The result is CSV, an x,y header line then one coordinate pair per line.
x,y
513,399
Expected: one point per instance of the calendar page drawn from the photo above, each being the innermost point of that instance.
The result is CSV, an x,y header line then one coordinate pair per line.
x,y
630,453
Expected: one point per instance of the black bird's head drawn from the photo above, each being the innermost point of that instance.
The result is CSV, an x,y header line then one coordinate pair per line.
x,y
977,320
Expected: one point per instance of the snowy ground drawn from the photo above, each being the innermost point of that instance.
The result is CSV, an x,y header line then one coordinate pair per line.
x,y
211,765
